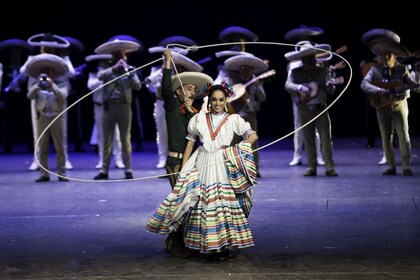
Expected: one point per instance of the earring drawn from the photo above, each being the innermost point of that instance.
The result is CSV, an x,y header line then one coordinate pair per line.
x,y
226,108
209,107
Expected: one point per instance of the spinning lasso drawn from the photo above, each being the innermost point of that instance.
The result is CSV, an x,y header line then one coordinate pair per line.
x,y
157,60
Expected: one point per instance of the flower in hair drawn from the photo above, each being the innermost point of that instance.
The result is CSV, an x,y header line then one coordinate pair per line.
x,y
228,89
206,89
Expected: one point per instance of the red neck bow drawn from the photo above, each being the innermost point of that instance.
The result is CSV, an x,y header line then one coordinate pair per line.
x,y
184,110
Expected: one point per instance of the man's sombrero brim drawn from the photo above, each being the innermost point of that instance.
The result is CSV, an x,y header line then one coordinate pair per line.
x,y
231,53
59,42
187,63
195,78
303,32
232,33
125,37
39,62
15,43
160,49
75,44
235,62
117,45
380,46
379,33
94,57
320,51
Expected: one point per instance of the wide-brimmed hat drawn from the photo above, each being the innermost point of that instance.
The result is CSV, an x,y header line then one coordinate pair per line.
x,y
379,46
15,43
379,33
304,32
48,40
230,53
232,33
235,62
187,63
46,60
93,57
195,78
306,49
75,44
181,40
124,43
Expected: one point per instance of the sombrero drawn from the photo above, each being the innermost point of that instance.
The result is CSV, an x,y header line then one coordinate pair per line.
x,y
195,78
233,33
235,62
303,31
117,44
187,63
181,40
126,37
306,49
48,40
93,57
379,46
378,33
231,53
15,43
46,60
75,44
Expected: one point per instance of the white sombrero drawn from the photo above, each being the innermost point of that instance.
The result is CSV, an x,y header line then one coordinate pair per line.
x,y
306,49
48,40
379,46
303,31
118,45
46,60
187,63
235,62
378,33
93,57
231,53
190,45
194,78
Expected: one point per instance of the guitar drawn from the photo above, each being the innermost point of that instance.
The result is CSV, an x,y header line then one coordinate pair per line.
x,y
396,92
304,98
240,97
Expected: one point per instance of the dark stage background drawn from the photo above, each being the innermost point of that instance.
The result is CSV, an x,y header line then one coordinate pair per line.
x,y
93,22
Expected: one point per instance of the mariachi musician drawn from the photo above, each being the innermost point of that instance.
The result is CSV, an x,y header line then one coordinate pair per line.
x,y
247,99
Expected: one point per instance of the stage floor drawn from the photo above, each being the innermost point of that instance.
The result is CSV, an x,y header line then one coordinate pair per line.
x,y
359,225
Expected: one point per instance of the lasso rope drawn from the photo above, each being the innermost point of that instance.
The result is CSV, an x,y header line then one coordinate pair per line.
x,y
157,60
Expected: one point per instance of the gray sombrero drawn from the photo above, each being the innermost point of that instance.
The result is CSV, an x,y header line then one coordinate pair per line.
x,y
119,43
180,40
94,57
46,60
187,63
195,78
235,62
379,46
306,49
303,31
48,40
233,33
378,33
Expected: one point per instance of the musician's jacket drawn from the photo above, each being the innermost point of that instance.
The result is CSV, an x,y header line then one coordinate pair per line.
x,y
380,73
320,75
48,102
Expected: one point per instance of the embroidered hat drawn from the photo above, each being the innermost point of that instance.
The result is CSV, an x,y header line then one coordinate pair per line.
x,y
195,78
15,43
303,32
235,62
48,40
120,43
306,49
234,33
378,33
46,60
181,40
379,46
